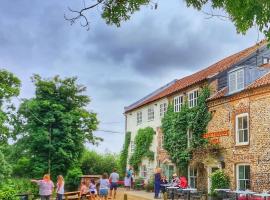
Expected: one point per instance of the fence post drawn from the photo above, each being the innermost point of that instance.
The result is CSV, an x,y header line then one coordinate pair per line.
x,y
125,197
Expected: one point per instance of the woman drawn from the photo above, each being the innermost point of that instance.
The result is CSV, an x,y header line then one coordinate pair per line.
x,y
163,181
157,182
127,182
93,189
60,187
45,187
104,186
83,190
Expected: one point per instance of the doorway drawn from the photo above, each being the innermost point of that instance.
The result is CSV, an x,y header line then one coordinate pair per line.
x,y
210,170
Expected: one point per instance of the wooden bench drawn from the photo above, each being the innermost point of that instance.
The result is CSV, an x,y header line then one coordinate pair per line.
x,y
72,195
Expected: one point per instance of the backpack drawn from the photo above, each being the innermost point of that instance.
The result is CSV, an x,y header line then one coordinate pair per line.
x,y
183,182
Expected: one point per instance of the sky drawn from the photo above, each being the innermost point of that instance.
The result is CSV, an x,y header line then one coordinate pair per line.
x,y
118,65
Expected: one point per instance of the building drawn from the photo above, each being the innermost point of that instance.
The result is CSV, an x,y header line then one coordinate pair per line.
x,y
226,79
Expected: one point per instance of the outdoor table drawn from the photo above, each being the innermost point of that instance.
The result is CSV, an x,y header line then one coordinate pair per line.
x,y
223,191
264,195
188,190
244,192
172,188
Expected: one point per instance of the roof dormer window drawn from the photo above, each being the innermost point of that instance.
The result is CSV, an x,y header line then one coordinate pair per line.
x,y
265,60
236,80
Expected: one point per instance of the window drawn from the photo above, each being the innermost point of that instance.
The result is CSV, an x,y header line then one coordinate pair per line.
x,y
132,146
236,80
178,102
242,129
265,60
192,177
189,137
193,98
143,171
163,109
139,117
243,177
151,114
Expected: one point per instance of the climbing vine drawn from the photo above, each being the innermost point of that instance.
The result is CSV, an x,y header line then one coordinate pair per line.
x,y
124,153
175,126
143,141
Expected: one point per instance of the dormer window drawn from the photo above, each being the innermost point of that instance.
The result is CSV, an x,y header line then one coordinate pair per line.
x,y
265,60
236,80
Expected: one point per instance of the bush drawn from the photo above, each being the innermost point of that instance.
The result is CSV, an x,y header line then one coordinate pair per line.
x,y
8,193
5,168
139,184
219,180
72,180
149,187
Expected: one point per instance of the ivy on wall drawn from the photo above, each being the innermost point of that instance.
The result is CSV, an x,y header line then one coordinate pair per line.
x,y
143,141
124,153
175,126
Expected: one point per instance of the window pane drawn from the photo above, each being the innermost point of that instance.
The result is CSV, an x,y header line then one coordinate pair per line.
x,y
245,122
240,123
240,136
241,172
245,137
247,172
241,185
232,82
240,79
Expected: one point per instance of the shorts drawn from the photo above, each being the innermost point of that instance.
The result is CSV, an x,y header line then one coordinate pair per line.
x,y
113,186
103,192
93,192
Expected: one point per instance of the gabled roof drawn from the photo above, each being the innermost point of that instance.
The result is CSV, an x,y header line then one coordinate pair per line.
x,y
202,75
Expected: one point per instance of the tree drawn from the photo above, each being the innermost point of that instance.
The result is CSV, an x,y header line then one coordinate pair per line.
x,y
243,13
9,87
54,125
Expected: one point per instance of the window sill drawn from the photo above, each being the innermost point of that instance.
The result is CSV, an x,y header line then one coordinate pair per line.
x,y
242,144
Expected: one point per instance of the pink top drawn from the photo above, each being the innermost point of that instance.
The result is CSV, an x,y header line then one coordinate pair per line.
x,y
45,187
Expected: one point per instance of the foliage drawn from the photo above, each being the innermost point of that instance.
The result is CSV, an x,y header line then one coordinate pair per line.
x,y
175,126
149,187
8,193
143,141
93,163
5,168
54,125
139,183
72,179
9,87
124,154
219,180
244,14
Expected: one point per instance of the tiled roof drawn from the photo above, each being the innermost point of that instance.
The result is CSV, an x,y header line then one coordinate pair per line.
x,y
219,94
203,74
264,80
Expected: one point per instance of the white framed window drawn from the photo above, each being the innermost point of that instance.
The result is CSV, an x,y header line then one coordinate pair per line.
x,y
192,177
242,129
193,98
132,146
151,114
265,60
236,80
189,137
143,171
139,117
243,176
178,102
163,109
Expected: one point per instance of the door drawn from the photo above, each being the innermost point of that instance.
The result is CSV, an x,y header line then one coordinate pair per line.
x,y
211,169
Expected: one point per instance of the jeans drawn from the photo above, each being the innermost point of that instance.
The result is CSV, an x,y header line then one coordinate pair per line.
x,y
59,197
45,197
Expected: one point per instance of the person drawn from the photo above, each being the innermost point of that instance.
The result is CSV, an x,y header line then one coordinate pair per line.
x,y
104,186
130,174
60,187
83,190
127,182
163,181
45,187
183,182
175,180
92,189
157,182
114,178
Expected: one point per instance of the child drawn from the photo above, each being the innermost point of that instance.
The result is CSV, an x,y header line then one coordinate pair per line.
x,y
127,181
83,190
104,186
92,189
60,187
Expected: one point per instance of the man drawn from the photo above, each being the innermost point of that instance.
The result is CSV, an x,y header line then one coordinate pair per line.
x,y
114,178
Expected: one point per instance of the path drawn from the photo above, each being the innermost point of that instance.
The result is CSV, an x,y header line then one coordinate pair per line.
x,y
134,195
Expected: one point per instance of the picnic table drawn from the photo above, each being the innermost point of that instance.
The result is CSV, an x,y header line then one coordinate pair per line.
x,y
223,192
172,190
242,192
264,195
189,190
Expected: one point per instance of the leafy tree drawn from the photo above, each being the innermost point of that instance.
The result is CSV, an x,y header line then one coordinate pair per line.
x,y
5,168
93,163
9,87
54,125
243,13
72,180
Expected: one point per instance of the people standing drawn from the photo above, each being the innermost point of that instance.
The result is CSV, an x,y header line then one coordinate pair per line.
x,y
83,190
130,174
93,189
104,186
60,187
157,182
114,178
45,187
127,182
